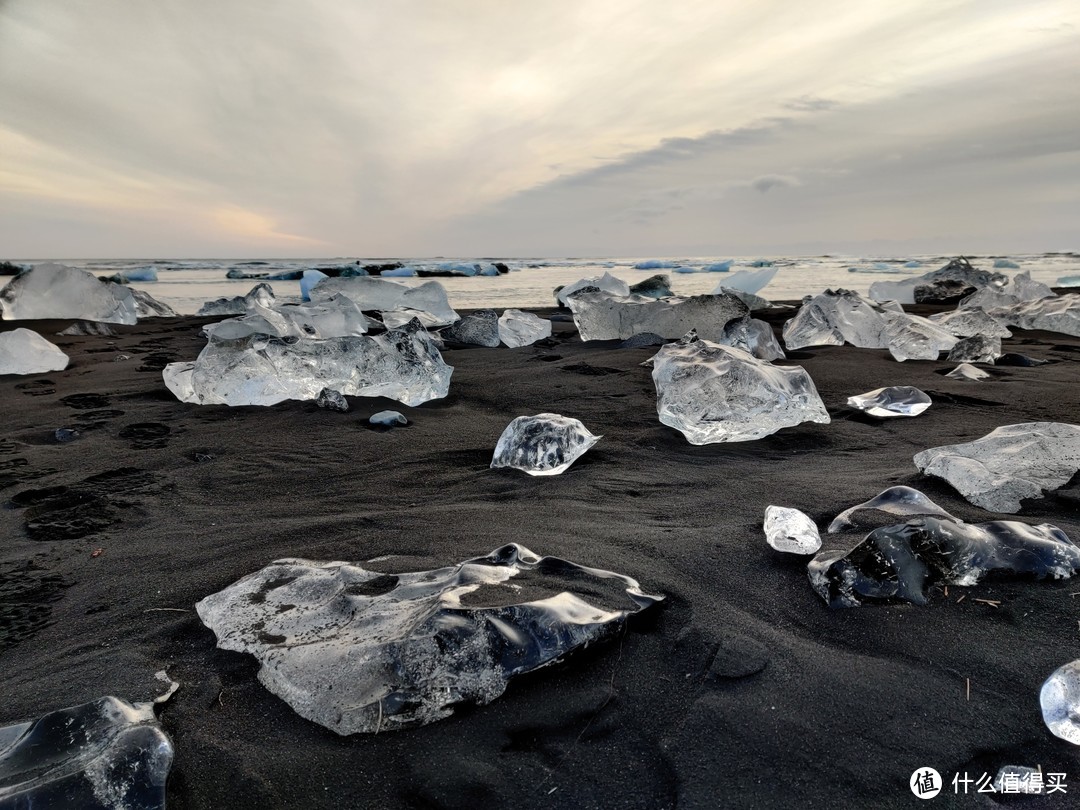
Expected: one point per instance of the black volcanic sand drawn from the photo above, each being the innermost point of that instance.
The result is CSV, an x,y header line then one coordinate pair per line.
x,y
741,690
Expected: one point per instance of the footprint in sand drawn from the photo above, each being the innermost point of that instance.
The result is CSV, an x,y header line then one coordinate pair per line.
x,y
146,435
26,596
85,402
37,388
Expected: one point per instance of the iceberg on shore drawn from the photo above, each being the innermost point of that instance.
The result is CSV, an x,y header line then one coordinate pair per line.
x,y
381,295
602,316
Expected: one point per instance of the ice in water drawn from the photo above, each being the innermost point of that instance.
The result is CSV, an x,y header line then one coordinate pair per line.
x,y
545,444
900,500
381,295
1008,464
517,328
481,328
360,651
976,349
23,351
1060,701
966,371
57,291
791,531
897,400
714,393
658,286
902,561
601,316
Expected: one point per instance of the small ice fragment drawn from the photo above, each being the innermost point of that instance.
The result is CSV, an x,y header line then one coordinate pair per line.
x,y
1018,779
976,349
898,500
332,400
481,328
966,371
63,435
1060,701
517,328
748,281
545,444
387,419
897,400
791,531
23,351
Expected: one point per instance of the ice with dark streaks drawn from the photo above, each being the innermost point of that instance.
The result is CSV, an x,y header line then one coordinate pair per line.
x,y
896,400
899,500
544,444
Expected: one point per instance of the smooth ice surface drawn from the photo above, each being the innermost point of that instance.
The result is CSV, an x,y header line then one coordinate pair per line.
x,y
970,322
966,371
899,500
105,754
517,328
146,306
309,280
902,561
1060,702
1019,289
897,400
912,337
388,419
332,400
382,295
545,444
600,316
361,651
481,328
1005,264
754,336
23,351
791,530
607,283
57,291
260,294
957,275
714,393
976,349
658,286
748,281
402,364
1009,463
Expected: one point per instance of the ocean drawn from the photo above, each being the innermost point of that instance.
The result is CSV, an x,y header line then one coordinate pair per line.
x,y
185,284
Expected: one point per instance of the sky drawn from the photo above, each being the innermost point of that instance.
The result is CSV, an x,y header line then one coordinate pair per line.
x,y
272,128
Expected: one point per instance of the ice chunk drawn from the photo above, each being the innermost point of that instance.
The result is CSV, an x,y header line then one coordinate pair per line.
x,y
970,322
912,337
607,282
956,278
481,328
754,302
1005,264
398,272
360,651
23,351
1069,281
87,328
545,444
897,400
396,318
754,336
332,400
309,280
976,349
714,393
260,294
902,561
58,291
382,295
138,274
1008,464
1058,314
337,317
790,530
899,500
720,267
836,317
402,364
748,281
387,419
1060,702
600,316
655,264
966,371
146,306
517,328
653,287
1016,291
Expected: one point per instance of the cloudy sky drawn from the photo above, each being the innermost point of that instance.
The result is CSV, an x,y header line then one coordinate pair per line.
x,y
185,128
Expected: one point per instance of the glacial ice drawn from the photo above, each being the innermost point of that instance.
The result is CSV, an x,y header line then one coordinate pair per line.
x,y
382,295
600,316
791,531
655,264
402,364
902,561
1058,314
332,400
57,291
146,306
337,317
545,444
517,328
260,294
309,280
754,336
719,267
398,272
607,282
966,371
897,400
899,500
1017,290
976,349
912,337
970,322
388,419
1008,464
481,328
714,393
1069,281
1060,702
396,318
748,281
360,651
658,286
23,351
753,302
1005,264
950,281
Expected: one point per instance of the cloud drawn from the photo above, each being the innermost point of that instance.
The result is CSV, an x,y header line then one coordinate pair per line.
x,y
810,104
767,182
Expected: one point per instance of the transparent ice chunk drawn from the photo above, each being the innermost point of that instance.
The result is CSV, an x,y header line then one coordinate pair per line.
x,y
715,393
950,281
1008,464
902,561
897,400
388,419
517,328
976,349
545,444
658,286
146,306
835,317
1058,314
912,337
791,531
23,351
748,281
753,336
360,651
396,318
970,322
1017,290
481,328
900,500
309,280
260,294
57,291
1060,702
382,295
600,316
966,371
606,283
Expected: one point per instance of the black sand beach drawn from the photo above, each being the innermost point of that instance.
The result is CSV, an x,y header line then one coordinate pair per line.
x,y
742,689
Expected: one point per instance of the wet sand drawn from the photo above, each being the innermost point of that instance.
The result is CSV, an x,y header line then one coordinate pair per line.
x,y
741,690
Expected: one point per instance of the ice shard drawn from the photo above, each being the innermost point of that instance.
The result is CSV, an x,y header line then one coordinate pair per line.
x,y
969,323
260,294
900,500
23,351
146,306
58,291
912,337
976,349
388,419
956,278
545,444
748,281
966,371
606,283
517,328
360,651
381,295
600,316
754,336
481,328
402,364
902,561
714,393
791,531
1060,702
897,400
658,286
1008,464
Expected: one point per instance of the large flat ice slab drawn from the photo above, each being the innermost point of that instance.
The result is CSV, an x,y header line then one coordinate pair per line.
x,y
23,351
381,295
714,393
601,316
360,651
1008,464
58,291
545,444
